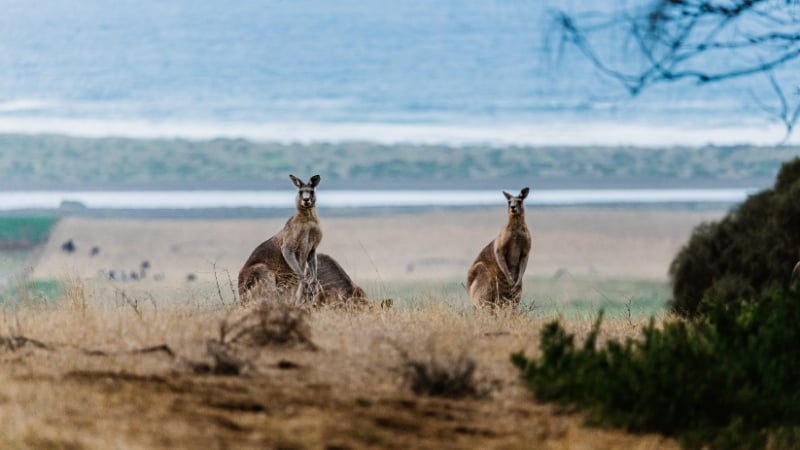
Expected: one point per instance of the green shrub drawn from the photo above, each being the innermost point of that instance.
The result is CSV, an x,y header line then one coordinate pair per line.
x,y
729,380
750,251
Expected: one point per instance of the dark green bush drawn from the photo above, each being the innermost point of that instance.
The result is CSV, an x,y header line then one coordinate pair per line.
x,y
749,252
729,380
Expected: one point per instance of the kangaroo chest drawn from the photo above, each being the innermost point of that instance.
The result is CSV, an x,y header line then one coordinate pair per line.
x,y
313,235
515,246
305,237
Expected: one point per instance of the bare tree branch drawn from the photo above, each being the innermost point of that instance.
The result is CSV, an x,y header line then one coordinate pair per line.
x,y
708,41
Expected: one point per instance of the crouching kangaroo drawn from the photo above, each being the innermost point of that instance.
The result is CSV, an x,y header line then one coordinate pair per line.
x,y
338,289
286,263
495,278
336,286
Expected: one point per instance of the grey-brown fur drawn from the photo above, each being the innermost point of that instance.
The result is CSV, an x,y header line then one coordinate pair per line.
x,y
286,263
336,286
796,271
495,278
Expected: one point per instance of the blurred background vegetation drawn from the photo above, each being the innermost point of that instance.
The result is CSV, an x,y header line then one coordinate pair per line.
x,y
57,162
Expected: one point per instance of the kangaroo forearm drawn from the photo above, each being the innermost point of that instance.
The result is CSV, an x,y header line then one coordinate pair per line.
x,y
312,264
501,263
523,264
291,260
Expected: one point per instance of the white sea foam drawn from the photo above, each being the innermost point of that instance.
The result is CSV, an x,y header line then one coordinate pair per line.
x,y
25,105
16,200
538,133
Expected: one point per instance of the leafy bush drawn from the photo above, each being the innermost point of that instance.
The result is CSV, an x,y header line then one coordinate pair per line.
x,y
730,380
750,251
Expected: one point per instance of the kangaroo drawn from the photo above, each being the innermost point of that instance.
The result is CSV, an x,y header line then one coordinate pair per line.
x,y
288,260
336,288
495,278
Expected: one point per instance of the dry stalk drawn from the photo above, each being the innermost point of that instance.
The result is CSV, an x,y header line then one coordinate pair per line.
x,y
219,289
76,293
232,287
132,302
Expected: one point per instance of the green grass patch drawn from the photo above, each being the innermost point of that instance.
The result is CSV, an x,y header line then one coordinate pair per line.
x,y
569,297
12,261
32,292
24,232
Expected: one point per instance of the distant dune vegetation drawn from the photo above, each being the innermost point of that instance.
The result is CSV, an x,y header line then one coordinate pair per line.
x,y
50,161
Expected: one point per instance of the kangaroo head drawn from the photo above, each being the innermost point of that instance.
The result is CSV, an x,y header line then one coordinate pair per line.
x,y
306,198
515,206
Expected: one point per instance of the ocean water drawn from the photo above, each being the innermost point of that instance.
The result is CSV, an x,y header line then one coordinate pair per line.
x,y
451,71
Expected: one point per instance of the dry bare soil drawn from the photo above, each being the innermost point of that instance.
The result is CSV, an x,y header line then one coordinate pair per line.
x,y
132,364
90,373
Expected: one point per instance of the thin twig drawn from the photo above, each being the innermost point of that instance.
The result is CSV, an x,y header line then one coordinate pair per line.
x,y
230,283
219,289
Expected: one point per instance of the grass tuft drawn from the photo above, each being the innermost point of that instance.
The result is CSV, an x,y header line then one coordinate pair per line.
x,y
274,323
436,373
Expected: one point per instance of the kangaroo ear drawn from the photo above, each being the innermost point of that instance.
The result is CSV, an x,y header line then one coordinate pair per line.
x,y
314,181
508,196
524,193
297,181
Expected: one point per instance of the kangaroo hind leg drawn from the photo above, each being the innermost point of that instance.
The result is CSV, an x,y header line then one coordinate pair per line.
x,y
257,282
482,287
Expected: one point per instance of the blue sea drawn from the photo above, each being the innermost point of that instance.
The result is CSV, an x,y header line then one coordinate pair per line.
x,y
452,71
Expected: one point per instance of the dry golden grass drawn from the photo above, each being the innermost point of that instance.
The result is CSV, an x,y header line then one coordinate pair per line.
x,y
105,379
131,364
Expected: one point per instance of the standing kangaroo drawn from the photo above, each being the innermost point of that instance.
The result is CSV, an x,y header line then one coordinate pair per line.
x,y
495,278
287,261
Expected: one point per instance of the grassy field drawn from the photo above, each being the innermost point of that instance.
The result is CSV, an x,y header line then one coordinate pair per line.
x,y
571,298
87,362
107,368
568,296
